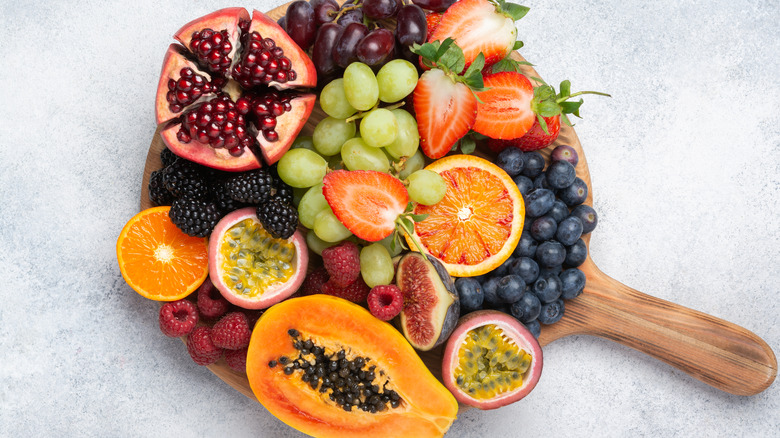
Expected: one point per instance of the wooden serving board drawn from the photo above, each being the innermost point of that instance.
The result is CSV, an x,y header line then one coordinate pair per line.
x,y
715,351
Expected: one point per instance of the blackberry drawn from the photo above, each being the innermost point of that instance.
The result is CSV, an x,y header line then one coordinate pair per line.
x,y
167,157
157,191
225,203
278,218
185,179
253,187
283,192
195,217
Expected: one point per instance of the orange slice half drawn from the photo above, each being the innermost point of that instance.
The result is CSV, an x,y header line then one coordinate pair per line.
x,y
158,260
478,223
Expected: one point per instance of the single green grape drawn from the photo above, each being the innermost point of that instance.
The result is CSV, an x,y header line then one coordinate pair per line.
x,y
426,187
357,155
301,168
330,134
316,244
333,100
328,227
378,128
303,141
312,203
408,139
396,80
376,265
360,86
412,164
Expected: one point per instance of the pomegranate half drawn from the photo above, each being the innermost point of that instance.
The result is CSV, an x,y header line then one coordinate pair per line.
x,y
229,94
491,360
249,267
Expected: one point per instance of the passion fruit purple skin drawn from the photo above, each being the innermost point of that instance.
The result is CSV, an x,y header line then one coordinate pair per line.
x,y
273,294
513,329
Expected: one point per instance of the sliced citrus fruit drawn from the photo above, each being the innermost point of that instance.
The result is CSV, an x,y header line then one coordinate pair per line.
x,y
477,224
158,260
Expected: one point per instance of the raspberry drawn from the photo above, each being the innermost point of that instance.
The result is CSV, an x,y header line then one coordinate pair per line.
x,y
355,292
210,302
314,281
231,332
178,318
236,360
385,301
342,263
201,349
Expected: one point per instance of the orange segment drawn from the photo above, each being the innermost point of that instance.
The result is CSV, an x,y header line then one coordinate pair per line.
x,y
158,260
477,224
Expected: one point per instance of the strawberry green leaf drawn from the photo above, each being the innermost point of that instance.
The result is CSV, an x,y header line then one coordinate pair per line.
x,y
467,145
509,64
419,217
512,10
518,45
543,124
565,89
443,48
427,50
476,66
571,107
565,119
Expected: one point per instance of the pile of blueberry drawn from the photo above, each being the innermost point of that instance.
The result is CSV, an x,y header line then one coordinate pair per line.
x,y
543,270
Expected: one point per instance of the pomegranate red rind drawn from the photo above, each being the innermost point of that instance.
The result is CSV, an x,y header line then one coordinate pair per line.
x,y
172,64
224,19
206,155
271,295
512,328
304,68
288,125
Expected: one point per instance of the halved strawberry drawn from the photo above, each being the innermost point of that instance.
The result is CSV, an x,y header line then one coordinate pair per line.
x,y
505,111
433,19
478,26
365,201
445,111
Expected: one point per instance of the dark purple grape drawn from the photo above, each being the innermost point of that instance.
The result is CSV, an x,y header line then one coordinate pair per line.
x,y
376,47
300,23
344,52
282,22
379,9
403,52
326,39
352,16
434,5
324,10
412,27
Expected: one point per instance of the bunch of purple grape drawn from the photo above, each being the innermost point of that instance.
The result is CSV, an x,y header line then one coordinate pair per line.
x,y
369,31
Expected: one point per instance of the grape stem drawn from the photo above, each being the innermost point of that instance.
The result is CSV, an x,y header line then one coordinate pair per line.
x,y
410,234
362,114
357,5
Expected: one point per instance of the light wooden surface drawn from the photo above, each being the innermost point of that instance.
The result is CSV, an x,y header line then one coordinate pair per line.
x,y
717,352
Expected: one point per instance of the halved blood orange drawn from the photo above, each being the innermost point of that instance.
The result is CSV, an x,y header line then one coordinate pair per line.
x,y
477,224
158,260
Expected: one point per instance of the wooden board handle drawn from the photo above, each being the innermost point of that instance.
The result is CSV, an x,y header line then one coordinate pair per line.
x,y
710,349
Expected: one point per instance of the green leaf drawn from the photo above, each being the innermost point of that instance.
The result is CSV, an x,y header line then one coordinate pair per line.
x,y
506,64
548,108
468,145
515,11
543,124
566,120
408,224
518,45
419,217
565,89
571,107
475,82
453,58
476,66
427,50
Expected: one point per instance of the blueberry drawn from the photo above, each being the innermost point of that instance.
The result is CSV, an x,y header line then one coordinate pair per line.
x,y
573,281
503,268
548,289
574,194
565,152
560,174
550,254
576,254
538,202
588,216
540,182
559,211
527,224
470,293
534,164
511,160
569,231
526,268
527,308
524,184
534,327
510,288
526,246
543,228
546,272
489,291
551,312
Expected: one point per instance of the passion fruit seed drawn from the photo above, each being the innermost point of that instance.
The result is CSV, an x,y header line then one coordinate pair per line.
x,y
348,382
490,363
253,260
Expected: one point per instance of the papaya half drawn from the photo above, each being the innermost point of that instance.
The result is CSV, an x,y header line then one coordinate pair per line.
x,y
327,367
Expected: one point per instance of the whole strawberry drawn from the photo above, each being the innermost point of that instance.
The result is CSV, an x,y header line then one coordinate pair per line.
x,y
342,263
231,332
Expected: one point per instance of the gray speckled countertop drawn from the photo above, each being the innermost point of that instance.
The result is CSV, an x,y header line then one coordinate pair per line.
x,y
685,161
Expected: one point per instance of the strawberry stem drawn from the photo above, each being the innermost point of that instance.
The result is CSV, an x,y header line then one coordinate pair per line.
x,y
579,93
410,234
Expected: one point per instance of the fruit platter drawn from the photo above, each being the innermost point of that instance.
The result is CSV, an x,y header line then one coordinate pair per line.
x,y
369,215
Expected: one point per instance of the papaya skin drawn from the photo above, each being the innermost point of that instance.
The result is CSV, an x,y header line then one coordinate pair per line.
x,y
427,410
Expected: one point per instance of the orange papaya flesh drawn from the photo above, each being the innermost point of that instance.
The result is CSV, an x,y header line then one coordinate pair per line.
x,y
424,407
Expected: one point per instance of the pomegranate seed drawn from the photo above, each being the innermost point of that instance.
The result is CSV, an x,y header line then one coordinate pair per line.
x,y
284,63
271,135
287,106
236,151
265,56
203,136
171,84
291,75
232,115
268,78
217,38
205,46
171,97
205,33
228,127
281,77
218,142
203,120
268,122
277,52
261,109
268,43
192,117
277,109
183,136
176,108
231,141
187,72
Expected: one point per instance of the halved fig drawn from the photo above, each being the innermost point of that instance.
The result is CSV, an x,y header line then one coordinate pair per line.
x,y
226,92
491,360
249,267
431,304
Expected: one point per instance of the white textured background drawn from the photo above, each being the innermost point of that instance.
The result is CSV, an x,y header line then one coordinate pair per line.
x,y
684,161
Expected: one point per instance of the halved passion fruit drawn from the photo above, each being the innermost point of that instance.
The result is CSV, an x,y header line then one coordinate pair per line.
x,y
249,267
491,360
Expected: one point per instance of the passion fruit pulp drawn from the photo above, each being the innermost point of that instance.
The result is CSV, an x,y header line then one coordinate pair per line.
x,y
491,360
250,268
